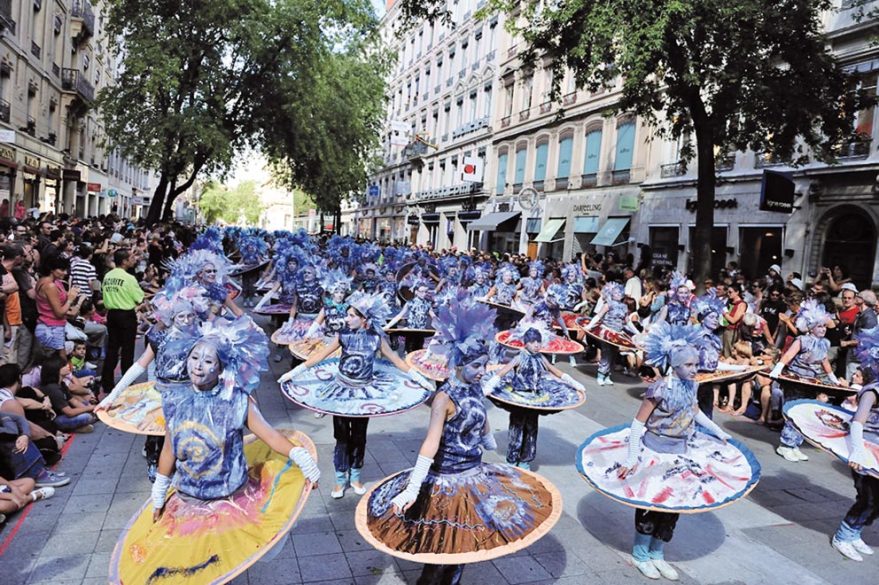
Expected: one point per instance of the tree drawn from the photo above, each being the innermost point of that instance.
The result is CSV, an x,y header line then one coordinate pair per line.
x,y
231,205
198,80
733,75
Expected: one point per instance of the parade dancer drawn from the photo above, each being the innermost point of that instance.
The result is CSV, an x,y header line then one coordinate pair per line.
x,y
354,379
233,499
863,435
453,508
575,297
205,270
805,358
708,310
612,316
531,289
677,310
480,285
418,313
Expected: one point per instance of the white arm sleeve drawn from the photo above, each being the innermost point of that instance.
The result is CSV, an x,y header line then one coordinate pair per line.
x,y
128,378
711,426
636,431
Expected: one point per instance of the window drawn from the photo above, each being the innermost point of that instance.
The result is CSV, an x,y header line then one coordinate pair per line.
x,y
464,55
540,162
566,146
473,106
501,173
593,152
625,146
527,87
460,117
664,246
521,153
508,99
487,102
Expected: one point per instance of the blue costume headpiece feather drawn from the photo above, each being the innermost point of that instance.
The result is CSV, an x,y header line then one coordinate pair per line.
x,y
706,304
336,280
811,314
243,349
664,341
611,289
464,330
538,266
507,268
211,239
572,269
867,351
677,280
373,307
184,270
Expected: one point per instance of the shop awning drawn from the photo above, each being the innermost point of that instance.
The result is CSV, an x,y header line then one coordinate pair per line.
x,y
610,231
586,224
490,222
549,231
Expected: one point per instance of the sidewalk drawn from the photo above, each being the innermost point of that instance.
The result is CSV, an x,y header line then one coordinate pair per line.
x,y
779,535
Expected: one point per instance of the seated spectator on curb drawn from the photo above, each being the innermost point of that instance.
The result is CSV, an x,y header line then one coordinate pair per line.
x,y
72,413
20,457
18,493
78,366
35,407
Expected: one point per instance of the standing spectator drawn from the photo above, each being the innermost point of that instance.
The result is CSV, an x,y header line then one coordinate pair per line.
x,y
4,208
11,258
866,303
43,239
772,306
19,210
847,315
27,300
54,304
122,295
737,308
82,272
633,284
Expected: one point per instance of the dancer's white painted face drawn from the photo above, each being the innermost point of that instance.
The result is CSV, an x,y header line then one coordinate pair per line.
x,y
208,274
819,330
711,321
339,296
508,278
184,319
353,319
683,294
204,366
687,370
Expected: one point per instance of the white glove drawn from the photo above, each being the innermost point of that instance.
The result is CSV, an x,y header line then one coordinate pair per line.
x,y
419,379
488,442
567,379
312,330
857,453
160,490
776,371
289,375
636,431
416,478
711,426
262,301
580,305
833,378
491,385
128,378
301,457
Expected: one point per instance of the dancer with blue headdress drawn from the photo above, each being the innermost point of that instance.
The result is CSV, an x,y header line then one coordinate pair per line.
x,y
356,385
677,310
418,313
575,297
806,359
672,459
253,250
611,317
531,289
208,271
233,498
479,277
453,508
529,386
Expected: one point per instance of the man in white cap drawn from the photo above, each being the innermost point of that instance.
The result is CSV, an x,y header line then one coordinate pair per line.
x,y
773,277
866,303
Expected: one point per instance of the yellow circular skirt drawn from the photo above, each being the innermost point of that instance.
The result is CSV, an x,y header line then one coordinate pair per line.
x,y
213,541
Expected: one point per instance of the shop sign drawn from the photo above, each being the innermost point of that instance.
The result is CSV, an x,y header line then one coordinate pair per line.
x,y
138,200
93,187
71,175
53,172
7,136
718,204
7,153
586,209
31,161
471,170
777,192
629,202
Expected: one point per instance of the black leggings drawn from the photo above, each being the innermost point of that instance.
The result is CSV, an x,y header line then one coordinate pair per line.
x,y
350,435
659,525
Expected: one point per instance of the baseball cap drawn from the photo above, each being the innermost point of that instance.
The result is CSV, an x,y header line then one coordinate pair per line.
x,y
797,283
851,287
116,238
776,268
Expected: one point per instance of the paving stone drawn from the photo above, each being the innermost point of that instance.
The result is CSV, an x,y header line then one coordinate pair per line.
x,y
370,563
521,569
56,568
324,568
561,564
62,545
278,571
317,543
351,541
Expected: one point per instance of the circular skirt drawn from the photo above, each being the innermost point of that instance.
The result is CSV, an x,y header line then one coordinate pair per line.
x,y
292,330
813,385
433,366
551,396
504,309
555,345
198,541
723,376
708,476
480,514
137,409
302,350
621,340
827,427
572,321
244,269
320,388
276,309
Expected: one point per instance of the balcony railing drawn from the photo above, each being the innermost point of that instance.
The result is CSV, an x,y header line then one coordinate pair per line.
x,y
6,20
768,159
569,98
505,121
82,10
589,180
621,177
74,80
512,51
524,115
672,170
545,107
725,163
31,127
4,111
855,149
36,51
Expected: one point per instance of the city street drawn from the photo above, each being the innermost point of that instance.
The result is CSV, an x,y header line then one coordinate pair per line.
x,y
779,535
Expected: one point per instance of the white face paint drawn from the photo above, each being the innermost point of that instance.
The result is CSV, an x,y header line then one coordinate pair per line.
x,y
508,278
683,294
204,366
339,296
819,330
353,319
688,369
184,319
208,274
711,321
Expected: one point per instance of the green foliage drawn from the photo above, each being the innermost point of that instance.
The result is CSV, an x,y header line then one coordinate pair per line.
x,y
232,206
202,80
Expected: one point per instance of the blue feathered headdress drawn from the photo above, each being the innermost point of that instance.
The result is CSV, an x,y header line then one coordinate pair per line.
x,y
811,314
677,280
867,351
611,289
335,280
464,330
538,266
183,270
373,307
572,269
664,340
507,268
166,305
211,239
707,303
243,349
556,291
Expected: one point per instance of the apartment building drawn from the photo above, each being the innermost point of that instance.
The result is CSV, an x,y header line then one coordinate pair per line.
x,y
54,58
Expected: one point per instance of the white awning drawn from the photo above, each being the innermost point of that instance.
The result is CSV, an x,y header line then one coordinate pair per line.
x,y
549,231
490,222
610,231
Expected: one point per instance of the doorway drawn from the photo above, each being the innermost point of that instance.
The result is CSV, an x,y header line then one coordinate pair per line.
x,y
850,242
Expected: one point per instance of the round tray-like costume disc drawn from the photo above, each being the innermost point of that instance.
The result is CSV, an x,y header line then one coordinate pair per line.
x,y
507,309
557,344
248,268
137,409
292,331
553,396
621,340
708,476
477,515
211,542
723,376
573,321
814,384
302,350
320,388
276,309
434,367
827,427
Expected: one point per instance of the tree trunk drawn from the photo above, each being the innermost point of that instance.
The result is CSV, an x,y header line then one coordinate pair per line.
x,y
158,201
700,246
337,221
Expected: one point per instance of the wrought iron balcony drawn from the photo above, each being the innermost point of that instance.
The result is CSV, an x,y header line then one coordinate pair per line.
x,y
82,10
524,115
36,50
6,20
545,107
589,180
4,111
569,98
855,149
73,80
505,121
31,127
768,159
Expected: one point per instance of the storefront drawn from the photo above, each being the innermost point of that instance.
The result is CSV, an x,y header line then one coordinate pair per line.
x,y
8,172
32,181
501,231
593,220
